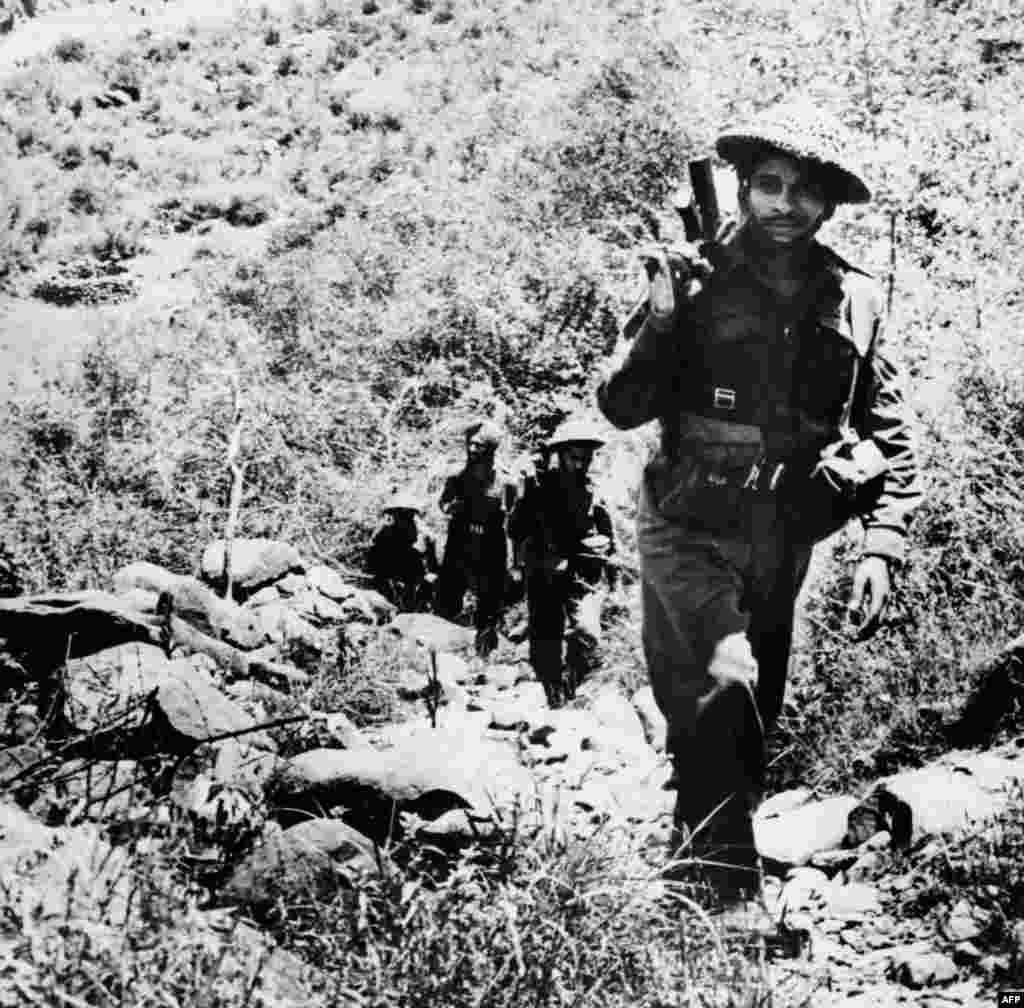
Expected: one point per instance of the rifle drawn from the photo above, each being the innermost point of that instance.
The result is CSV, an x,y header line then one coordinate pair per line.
x,y
700,211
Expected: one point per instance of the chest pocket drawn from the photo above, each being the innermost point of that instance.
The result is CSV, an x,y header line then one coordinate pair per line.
x,y
733,371
825,369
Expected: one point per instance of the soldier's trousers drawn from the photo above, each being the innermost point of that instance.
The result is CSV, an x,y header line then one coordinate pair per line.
x,y
563,610
489,588
697,589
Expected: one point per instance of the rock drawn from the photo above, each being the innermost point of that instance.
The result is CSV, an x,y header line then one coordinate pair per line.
x,y
248,959
107,685
793,837
427,771
328,582
318,609
853,901
882,840
432,631
784,801
292,584
14,760
454,669
254,562
148,576
93,789
966,953
653,721
221,618
261,701
963,923
620,725
244,766
948,796
868,865
263,597
310,860
924,969
46,630
498,677
806,889
195,710
367,606
281,624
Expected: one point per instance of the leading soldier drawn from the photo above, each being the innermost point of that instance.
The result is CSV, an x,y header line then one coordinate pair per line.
x,y
782,414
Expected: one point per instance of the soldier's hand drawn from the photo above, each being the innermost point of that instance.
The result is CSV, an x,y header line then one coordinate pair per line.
x,y
872,583
675,275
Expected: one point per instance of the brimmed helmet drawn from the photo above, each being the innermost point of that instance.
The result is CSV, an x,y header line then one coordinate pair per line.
x,y
802,131
402,501
487,431
584,432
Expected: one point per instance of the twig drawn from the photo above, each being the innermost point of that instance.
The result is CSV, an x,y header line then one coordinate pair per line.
x,y
237,470
892,264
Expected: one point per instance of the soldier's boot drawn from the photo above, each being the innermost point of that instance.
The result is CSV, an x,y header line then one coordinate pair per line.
x,y
546,659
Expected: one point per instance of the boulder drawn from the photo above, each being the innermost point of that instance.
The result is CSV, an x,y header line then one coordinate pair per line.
x,y
432,632
247,959
367,606
107,685
292,584
46,630
950,795
923,969
254,562
428,771
244,766
317,609
791,838
283,625
147,576
93,789
328,582
195,710
310,860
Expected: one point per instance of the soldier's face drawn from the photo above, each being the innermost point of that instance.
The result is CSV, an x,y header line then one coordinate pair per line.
x,y
575,458
785,204
478,447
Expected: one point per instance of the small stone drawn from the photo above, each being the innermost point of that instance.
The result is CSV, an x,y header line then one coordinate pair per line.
x,y
882,840
924,970
966,953
292,584
868,866
962,925
328,582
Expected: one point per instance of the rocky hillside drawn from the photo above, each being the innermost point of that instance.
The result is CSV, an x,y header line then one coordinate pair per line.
x,y
337,231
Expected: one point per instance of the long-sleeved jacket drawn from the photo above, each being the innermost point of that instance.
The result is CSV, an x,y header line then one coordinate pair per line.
x,y
561,525
749,390
478,514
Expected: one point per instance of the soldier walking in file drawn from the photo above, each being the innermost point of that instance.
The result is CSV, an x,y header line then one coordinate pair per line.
x,y
563,540
782,415
477,499
402,560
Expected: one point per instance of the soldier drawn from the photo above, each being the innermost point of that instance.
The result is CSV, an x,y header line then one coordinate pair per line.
x,y
563,539
477,499
782,415
403,560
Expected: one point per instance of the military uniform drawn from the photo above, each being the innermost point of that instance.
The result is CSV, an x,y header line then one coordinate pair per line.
x,y
402,560
563,539
476,549
754,392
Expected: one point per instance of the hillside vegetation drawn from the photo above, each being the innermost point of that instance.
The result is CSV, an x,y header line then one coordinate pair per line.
x,y
358,225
